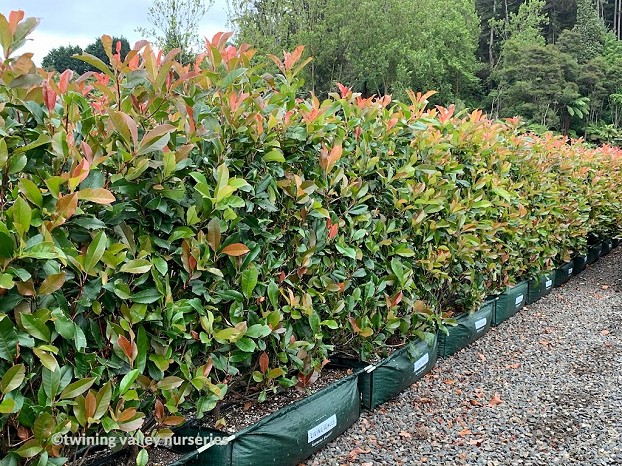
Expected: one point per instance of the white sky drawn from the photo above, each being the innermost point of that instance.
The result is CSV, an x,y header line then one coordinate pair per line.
x,y
80,22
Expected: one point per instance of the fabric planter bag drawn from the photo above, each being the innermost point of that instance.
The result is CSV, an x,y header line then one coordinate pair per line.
x,y
470,327
510,302
285,437
380,382
615,242
593,253
579,264
606,247
541,286
563,273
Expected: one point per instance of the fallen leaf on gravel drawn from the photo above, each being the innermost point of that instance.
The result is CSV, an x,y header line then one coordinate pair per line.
x,y
450,381
544,342
475,403
604,332
464,432
513,366
405,434
481,356
605,287
354,454
496,400
478,442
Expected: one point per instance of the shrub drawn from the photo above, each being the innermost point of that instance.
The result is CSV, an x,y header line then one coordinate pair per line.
x,y
173,234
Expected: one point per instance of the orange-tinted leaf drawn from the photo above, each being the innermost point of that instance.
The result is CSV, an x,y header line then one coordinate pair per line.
x,y
67,205
128,348
264,362
496,400
90,405
97,195
235,250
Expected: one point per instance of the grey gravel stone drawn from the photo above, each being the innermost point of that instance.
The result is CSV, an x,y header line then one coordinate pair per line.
x,y
544,388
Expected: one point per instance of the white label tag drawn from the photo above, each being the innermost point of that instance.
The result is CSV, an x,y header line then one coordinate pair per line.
x,y
570,271
421,363
519,299
548,284
322,428
480,324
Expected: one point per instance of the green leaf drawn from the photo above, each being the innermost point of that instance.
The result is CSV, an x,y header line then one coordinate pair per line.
x,y
246,344
127,381
258,331
136,266
77,388
103,397
273,294
6,281
95,251
7,247
232,76
142,458
22,216
148,296
29,449
12,378
35,327
249,281
46,359
43,427
31,191
96,62
398,270
331,324
7,406
169,383
346,251
275,155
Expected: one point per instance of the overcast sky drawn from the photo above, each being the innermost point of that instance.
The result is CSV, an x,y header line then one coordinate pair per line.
x,y
80,22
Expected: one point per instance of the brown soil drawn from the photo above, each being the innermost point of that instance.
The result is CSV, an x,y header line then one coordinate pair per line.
x,y
241,414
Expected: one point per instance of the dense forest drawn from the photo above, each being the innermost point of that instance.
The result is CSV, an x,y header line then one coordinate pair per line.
x,y
556,63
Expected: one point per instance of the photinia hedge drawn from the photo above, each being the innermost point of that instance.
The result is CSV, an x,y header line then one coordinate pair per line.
x,y
174,235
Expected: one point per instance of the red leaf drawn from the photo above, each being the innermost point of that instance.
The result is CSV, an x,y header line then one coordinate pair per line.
x,y
49,96
158,411
343,90
264,362
63,83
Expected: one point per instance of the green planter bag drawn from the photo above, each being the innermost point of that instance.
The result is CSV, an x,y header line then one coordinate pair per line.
x,y
593,253
285,437
607,245
541,286
380,382
510,302
615,242
563,273
470,327
579,264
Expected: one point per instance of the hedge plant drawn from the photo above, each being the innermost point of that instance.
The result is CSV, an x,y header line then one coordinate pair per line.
x,y
174,236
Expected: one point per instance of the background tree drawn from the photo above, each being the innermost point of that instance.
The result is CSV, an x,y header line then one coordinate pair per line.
x,y
60,59
375,47
97,48
175,24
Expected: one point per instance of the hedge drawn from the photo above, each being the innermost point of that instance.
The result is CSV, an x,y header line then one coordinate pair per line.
x,y
171,235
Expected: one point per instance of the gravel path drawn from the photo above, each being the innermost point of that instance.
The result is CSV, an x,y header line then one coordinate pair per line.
x,y
544,388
